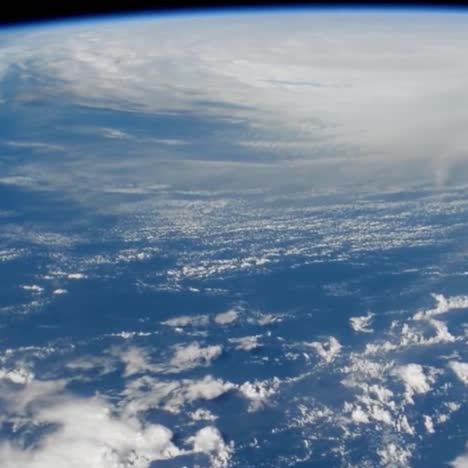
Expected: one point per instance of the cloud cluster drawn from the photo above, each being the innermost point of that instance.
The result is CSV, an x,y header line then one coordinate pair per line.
x,y
95,432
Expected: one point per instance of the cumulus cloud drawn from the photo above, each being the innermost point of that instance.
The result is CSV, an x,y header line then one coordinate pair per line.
x,y
227,317
203,415
18,375
259,392
327,350
88,434
361,324
393,455
428,424
444,305
210,441
415,379
461,370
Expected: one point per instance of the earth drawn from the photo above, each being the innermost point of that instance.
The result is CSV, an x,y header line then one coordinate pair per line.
x,y
235,239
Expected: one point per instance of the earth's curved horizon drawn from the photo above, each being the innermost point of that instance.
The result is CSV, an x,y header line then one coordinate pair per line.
x,y
235,239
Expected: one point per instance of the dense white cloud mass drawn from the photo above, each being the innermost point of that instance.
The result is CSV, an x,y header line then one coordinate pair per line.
x,y
94,432
311,86
89,435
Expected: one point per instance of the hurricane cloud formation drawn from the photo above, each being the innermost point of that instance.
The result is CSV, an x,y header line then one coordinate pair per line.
x,y
282,94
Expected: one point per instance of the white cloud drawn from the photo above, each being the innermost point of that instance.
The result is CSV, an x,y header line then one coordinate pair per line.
x,y
359,416
146,393
246,343
35,145
89,434
202,414
33,287
76,276
227,317
415,379
259,392
361,323
113,133
302,78
392,455
20,375
59,291
444,305
461,370
210,441
186,320
461,461
193,355
136,360
268,319
185,357
327,350
428,424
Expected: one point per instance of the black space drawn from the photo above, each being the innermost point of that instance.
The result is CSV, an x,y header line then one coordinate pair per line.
x,y
23,12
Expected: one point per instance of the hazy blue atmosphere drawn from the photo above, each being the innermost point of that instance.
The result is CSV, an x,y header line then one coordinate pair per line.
x,y
235,240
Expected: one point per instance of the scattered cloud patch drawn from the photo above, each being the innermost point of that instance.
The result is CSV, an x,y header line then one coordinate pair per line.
x,y
461,370
362,323
203,415
188,320
444,305
193,355
33,288
146,393
210,441
76,276
259,392
428,424
226,318
246,343
415,380
327,350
